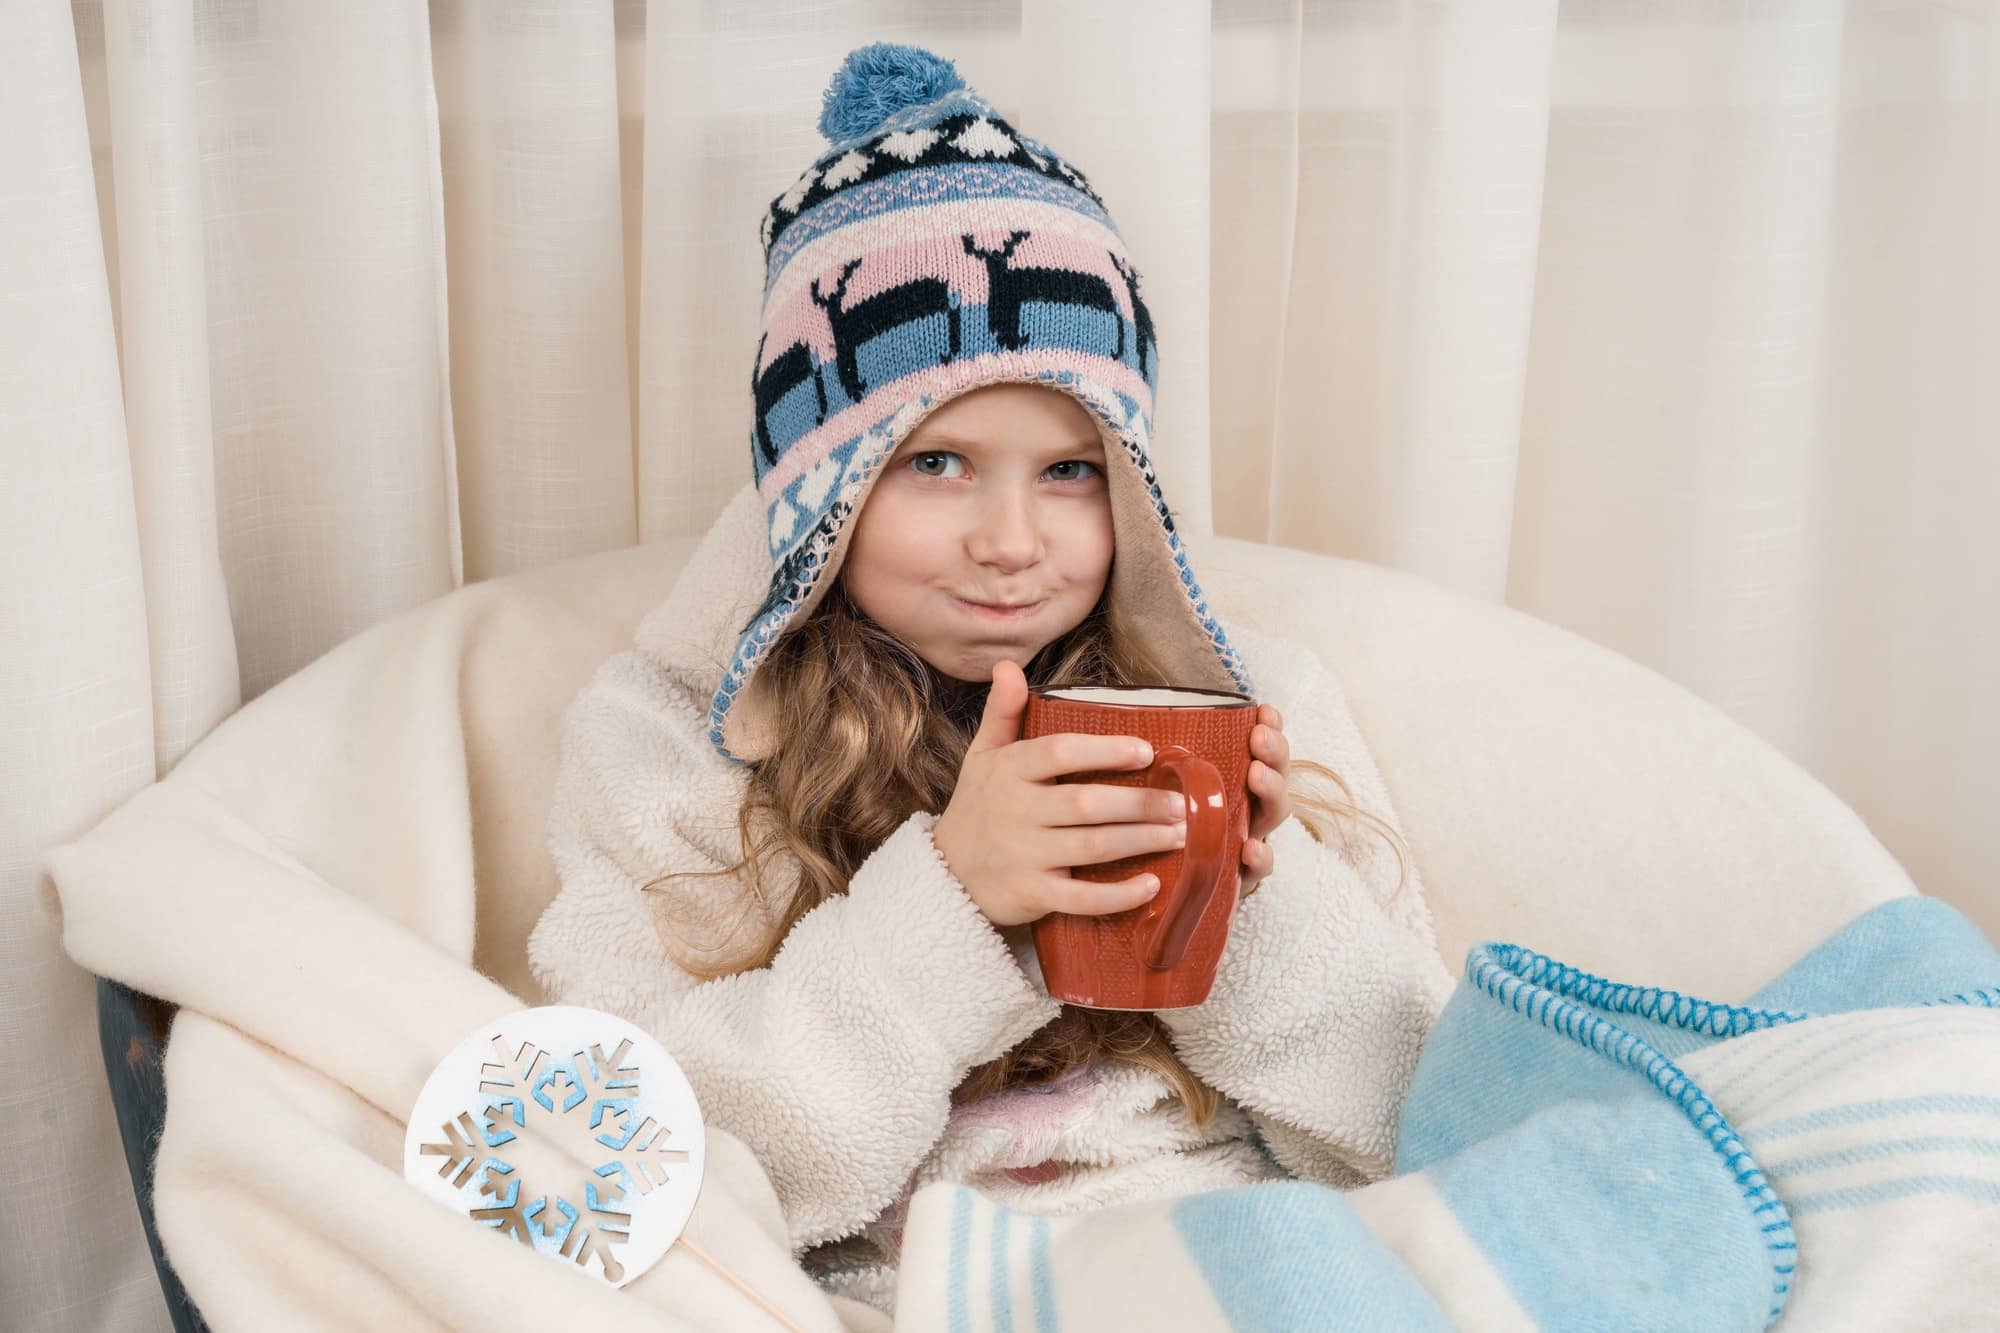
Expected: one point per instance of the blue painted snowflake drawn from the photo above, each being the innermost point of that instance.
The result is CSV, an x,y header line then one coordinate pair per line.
x,y
583,1151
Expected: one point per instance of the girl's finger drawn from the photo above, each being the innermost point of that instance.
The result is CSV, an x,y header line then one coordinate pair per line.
x,y
1272,810
1082,897
1259,822
1256,866
1269,744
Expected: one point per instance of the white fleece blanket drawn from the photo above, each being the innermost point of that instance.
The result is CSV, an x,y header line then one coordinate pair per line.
x,y
338,884
303,885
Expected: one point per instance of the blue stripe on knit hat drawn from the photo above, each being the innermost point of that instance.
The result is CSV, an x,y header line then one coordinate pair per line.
x,y
921,345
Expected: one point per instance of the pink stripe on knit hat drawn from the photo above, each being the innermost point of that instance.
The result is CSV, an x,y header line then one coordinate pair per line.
x,y
910,225
804,319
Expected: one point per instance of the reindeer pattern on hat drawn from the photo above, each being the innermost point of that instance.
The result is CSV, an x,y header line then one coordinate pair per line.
x,y
916,306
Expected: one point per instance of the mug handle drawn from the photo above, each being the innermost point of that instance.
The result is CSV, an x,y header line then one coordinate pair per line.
x,y
1177,909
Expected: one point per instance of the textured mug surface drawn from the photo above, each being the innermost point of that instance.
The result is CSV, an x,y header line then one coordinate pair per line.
x,y
1161,955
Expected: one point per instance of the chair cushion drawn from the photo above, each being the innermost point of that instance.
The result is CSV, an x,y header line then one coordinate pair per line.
x,y
311,882
1553,792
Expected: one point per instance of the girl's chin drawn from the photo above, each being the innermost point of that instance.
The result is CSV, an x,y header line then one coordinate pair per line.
x,y
979,670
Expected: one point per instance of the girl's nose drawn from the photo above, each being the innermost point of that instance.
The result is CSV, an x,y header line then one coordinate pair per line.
x,y
1008,533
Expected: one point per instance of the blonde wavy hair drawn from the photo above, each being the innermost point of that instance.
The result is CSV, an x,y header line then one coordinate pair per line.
x,y
873,733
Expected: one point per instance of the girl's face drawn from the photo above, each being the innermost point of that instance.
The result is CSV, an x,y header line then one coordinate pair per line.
x,y
1000,496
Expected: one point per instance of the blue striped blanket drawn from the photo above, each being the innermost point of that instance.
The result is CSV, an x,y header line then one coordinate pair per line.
x,y
1579,1154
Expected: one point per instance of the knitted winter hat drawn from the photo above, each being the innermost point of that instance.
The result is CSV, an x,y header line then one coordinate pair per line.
x,y
931,250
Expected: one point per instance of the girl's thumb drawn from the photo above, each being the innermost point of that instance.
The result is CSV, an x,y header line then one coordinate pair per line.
x,y
1006,699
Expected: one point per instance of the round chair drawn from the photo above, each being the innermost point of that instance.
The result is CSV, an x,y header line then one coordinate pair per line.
x,y
1552,792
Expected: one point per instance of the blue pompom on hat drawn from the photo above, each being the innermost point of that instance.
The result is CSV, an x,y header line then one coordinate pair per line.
x,y
930,250
875,82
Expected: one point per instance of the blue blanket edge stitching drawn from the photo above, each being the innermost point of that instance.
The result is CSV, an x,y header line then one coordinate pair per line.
x,y
1554,994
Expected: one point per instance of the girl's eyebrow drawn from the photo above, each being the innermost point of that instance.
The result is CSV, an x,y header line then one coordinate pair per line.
x,y
941,440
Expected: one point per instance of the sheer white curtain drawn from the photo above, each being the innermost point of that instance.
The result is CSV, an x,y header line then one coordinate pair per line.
x,y
1675,322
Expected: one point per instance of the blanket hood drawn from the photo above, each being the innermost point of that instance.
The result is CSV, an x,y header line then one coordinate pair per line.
x,y
730,605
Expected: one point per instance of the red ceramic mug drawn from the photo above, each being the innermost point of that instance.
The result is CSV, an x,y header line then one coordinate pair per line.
x,y
1161,955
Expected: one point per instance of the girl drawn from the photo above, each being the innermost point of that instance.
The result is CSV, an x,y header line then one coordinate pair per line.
x,y
798,836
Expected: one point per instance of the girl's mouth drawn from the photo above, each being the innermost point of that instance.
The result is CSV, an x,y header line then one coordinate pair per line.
x,y
999,612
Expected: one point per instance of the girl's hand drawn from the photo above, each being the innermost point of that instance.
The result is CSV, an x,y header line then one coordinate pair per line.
x,y
1011,831
1270,803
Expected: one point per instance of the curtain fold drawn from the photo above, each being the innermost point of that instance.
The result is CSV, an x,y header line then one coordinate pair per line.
x,y
1672,322
77,731
534,215
153,224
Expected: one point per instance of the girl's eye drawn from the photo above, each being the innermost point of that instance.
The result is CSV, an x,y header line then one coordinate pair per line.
x,y
917,461
1073,463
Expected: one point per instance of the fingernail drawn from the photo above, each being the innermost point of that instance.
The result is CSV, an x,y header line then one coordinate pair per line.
x,y
1180,835
1152,885
1145,754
